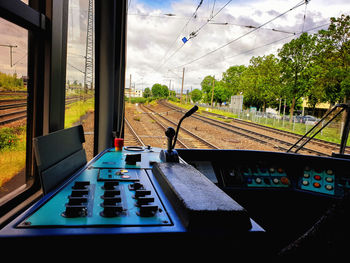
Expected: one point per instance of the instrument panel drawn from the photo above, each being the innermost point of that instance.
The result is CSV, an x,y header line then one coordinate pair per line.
x,y
237,169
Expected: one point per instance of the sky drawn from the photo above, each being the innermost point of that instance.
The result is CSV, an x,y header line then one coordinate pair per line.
x,y
223,35
156,53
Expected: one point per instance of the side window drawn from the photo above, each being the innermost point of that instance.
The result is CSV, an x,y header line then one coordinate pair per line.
x,y
80,88
13,108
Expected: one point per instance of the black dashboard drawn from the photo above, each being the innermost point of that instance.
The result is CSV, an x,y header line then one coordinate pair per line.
x,y
258,170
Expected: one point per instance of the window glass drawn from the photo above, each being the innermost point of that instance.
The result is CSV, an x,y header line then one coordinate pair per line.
x,y
13,108
80,87
277,64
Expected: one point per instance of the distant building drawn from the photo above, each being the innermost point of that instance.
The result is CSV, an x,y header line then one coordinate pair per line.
x,y
133,93
319,110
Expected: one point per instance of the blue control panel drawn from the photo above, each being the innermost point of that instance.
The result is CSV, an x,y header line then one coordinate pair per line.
x,y
260,176
115,189
318,180
92,200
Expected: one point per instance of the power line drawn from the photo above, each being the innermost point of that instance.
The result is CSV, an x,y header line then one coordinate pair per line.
x,y
250,26
76,68
194,33
265,45
11,51
238,38
188,21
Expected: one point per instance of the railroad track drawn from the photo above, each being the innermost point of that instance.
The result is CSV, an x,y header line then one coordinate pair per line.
x,y
321,143
186,138
245,132
132,138
19,114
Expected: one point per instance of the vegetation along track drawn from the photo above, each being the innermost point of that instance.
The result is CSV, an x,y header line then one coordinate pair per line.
x,y
248,132
15,109
186,138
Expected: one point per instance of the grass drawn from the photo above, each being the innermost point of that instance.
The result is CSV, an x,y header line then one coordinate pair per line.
x,y
76,110
330,133
12,160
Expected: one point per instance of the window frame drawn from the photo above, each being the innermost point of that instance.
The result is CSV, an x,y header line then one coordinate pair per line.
x,y
46,22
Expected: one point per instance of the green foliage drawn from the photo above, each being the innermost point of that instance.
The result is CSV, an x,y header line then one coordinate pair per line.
x,y
296,56
196,95
316,67
10,82
160,91
207,86
8,138
147,93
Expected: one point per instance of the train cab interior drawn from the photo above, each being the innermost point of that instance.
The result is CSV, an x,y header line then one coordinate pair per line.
x,y
241,203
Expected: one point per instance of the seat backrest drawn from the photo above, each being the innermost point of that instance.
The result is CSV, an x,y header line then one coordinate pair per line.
x,y
58,155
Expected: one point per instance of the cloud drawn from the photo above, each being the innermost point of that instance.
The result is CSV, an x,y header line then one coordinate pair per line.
x,y
11,34
156,52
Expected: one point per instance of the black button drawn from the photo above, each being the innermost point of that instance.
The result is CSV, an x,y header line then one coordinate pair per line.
x,y
148,210
80,184
267,181
111,200
79,193
110,185
76,200
111,210
139,193
75,211
110,193
135,186
144,200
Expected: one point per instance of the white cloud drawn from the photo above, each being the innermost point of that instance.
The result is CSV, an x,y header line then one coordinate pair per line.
x,y
151,34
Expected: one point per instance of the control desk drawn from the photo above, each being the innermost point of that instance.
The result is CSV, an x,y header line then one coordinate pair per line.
x,y
132,192
259,170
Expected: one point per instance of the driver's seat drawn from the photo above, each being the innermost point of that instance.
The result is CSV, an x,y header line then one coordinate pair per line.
x,y
58,155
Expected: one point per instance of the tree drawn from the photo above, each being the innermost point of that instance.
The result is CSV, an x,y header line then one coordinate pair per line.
x,y
160,91
295,57
207,88
231,78
333,59
147,93
196,95
221,92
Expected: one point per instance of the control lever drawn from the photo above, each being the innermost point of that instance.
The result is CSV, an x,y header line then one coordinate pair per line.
x,y
170,155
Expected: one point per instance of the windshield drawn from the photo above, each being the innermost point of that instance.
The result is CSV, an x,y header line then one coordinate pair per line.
x,y
263,73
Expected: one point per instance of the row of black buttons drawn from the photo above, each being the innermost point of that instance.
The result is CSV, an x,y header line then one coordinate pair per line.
x,y
77,200
144,200
77,205
111,204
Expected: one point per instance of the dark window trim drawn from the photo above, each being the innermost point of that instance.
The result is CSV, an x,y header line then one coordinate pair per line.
x,y
44,62
23,15
110,49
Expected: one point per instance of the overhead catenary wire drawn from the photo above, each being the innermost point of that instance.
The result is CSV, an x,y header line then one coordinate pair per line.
x,y
264,45
245,34
188,21
193,34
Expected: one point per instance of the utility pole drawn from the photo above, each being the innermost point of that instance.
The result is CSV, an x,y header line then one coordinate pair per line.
x,y
11,47
89,52
212,93
182,86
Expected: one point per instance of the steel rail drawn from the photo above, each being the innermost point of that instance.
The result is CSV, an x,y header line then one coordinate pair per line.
x,y
205,142
261,138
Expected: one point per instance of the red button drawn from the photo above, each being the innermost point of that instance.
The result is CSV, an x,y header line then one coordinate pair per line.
x,y
317,185
284,180
317,177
